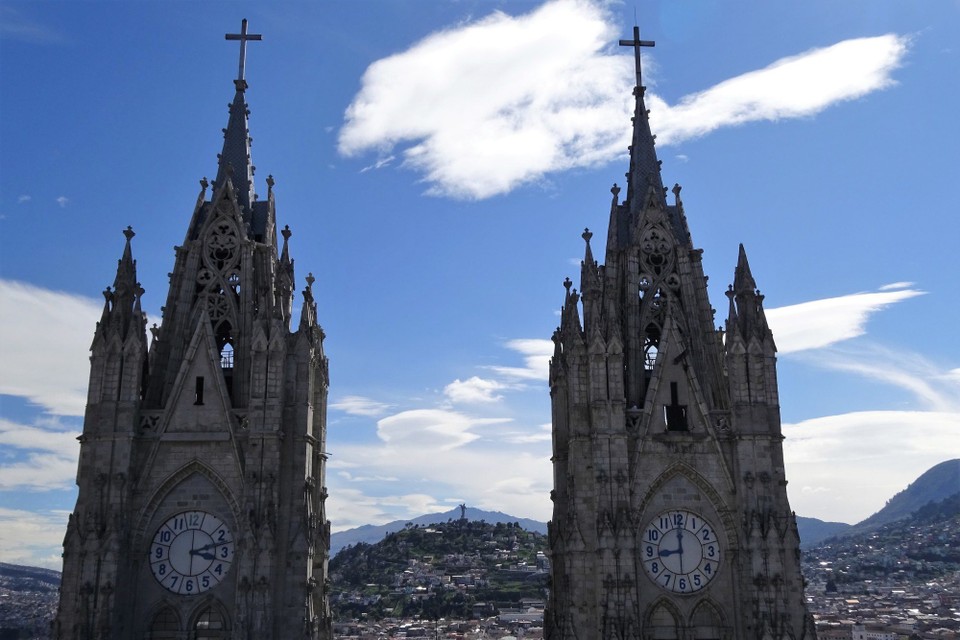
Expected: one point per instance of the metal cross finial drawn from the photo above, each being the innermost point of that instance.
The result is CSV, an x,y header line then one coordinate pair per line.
x,y
636,43
243,36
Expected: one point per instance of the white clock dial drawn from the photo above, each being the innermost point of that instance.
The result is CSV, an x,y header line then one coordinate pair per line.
x,y
680,551
191,552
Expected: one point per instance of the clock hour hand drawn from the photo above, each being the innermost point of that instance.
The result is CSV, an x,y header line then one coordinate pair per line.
x,y
203,554
207,546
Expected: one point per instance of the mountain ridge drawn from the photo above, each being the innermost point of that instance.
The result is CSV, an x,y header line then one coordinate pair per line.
x,y
370,534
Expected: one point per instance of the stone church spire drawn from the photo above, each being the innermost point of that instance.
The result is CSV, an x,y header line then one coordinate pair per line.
x,y
670,515
644,170
202,501
234,161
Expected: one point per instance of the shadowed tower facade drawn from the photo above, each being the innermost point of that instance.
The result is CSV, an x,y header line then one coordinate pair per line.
x,y
670,515
201,506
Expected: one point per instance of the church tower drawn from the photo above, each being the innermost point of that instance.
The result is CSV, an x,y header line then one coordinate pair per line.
x,y
201,507
670,515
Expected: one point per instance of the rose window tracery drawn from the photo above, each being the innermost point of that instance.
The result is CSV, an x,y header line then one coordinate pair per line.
x,y
657,281
218,279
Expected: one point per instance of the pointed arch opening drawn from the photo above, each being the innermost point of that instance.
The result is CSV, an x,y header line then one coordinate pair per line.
x,y
706,623
225,340
210,623
651,346
662,623
165,625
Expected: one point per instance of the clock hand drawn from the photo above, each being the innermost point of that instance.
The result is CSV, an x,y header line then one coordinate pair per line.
x,y
207,546
202,554
680,547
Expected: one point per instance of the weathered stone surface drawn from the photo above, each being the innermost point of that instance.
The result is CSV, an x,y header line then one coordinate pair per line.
x,y
670,515
223,417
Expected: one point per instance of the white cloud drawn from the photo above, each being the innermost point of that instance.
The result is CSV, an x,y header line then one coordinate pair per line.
x,y
497,102
32,538
360,406
474,390
543,434
353,508
489,105
37,458
845,467
24,198
63,201
435,429
379,164
536,355
896,285
44,346
820,323
934,389
436,452
14,25
797,86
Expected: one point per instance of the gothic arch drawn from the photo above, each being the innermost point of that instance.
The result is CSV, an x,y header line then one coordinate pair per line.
x,y
209,620
163,622
707,622
685,470
662,621
179,476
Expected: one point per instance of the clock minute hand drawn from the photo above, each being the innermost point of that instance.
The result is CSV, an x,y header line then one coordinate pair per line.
x,y
680,547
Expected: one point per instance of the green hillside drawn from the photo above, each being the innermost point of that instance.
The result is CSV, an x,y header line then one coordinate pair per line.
x,y
444,570
936,484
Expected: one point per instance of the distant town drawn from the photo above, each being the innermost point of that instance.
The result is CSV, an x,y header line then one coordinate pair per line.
x,y
470,580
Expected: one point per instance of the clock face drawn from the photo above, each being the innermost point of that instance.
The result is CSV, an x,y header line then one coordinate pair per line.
x,y
680,551
191,552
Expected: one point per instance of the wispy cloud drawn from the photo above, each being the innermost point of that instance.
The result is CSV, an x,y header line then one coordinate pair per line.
x,y
44,341
360,406
931,387
63,201
24,198
434,454
484,107
379,164
474,390
820,323
37,458
797,86
536,354
436,429
844,467
15,25
32,537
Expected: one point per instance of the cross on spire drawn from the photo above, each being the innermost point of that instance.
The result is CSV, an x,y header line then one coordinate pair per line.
x,y
636,43
243,36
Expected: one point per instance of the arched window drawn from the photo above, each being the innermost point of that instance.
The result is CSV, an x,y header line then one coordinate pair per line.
x,y
651,344
209,624
706,623
165,625
663,624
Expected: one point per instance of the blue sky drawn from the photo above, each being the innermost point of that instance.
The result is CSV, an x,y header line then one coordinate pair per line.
x,y
437,162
